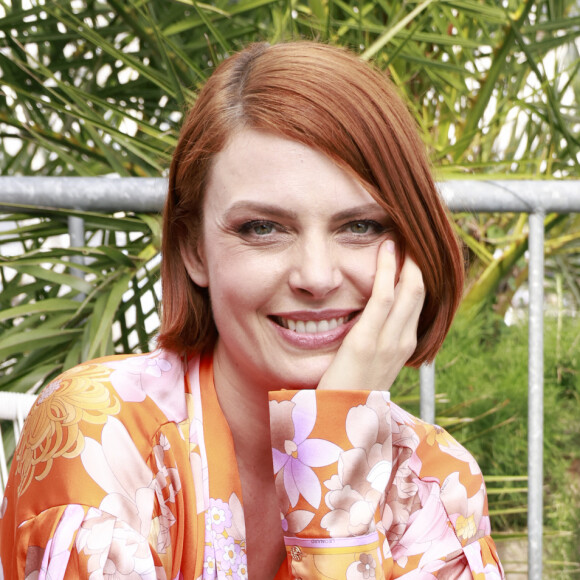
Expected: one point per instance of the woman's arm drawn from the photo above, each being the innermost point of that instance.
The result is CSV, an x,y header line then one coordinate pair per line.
x,y
368,491
94,486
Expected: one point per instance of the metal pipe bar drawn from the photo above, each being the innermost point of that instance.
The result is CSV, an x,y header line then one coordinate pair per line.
x,y
525,196
536,395
147,194
427,403
76,232
101,194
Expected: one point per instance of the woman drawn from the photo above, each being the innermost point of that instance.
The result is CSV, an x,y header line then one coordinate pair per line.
x,y
306,259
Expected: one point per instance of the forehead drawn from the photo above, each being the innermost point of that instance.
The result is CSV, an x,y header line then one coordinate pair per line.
x,y
261,167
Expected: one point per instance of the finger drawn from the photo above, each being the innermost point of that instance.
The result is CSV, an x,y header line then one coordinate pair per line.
x,y
379,305
401,326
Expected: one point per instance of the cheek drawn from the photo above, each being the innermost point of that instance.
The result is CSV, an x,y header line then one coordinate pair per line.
x,y
361,270
238,282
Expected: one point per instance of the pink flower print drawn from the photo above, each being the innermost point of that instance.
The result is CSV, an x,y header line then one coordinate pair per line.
x,y
402,417
209,566
363,471
405,436
166,477
117,467
465,513
292,522
457,451
428,532
158,375
351,514
296,521
369,463
157,366
243,571
114,550
229,554
57,554
492,571
297,454
404,482
219,516
129,376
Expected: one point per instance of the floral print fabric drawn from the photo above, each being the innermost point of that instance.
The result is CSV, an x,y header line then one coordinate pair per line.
x,y
388,497
126,469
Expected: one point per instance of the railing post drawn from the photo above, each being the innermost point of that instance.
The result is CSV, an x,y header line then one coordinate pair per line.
x,y
76,232
536,395
427,380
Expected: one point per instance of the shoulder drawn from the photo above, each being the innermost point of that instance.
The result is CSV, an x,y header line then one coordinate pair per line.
x,y
444,471
102,416
136,393
106,385
437,452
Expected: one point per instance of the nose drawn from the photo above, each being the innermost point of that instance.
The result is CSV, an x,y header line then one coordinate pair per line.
x,y
316,270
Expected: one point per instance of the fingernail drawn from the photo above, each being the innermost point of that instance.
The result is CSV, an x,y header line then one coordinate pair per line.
x,y
390,246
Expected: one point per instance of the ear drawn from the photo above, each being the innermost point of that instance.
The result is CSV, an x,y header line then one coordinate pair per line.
x,y
195,264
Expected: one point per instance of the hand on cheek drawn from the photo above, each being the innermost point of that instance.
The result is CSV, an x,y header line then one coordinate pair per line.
x,y
385,336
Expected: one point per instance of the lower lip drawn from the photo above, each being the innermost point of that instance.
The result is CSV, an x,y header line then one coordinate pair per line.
x,y
310,341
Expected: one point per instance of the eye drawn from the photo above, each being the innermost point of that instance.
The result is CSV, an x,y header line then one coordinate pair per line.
x,y
261,228
359,227
258,228
362,227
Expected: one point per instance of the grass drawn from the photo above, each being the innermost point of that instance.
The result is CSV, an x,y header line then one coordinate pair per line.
x,y
481,375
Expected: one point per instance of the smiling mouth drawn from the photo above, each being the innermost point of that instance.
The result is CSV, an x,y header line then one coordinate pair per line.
x,y
312,326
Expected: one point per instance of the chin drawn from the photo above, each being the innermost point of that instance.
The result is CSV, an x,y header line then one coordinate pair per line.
x,y
308,377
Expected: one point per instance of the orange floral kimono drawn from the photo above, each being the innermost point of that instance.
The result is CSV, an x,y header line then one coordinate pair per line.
x,y
126,469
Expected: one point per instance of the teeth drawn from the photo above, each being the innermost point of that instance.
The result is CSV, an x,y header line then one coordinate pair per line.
x,y
323,326
311,326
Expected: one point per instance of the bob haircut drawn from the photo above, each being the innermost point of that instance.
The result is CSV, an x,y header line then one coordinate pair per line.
x,y
328,99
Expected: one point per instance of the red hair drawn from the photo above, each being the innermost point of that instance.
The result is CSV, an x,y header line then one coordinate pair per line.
x,y
330,100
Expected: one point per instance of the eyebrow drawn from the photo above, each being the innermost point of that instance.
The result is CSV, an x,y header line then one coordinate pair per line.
x,y
360,211
277,211
266,208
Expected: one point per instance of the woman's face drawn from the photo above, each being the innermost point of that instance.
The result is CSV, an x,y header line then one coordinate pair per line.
x,y
288,252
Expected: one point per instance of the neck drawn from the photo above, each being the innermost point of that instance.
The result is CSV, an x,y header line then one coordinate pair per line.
x,y
245,407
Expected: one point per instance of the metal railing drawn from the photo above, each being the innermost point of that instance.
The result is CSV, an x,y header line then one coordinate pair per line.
x,y
13,407
536,198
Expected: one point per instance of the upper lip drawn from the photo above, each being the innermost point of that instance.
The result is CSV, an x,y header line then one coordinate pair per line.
x,y
316,314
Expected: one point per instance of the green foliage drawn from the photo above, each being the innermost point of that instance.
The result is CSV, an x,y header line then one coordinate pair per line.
x,y
52,319
92,87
